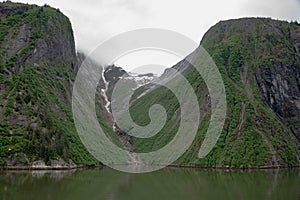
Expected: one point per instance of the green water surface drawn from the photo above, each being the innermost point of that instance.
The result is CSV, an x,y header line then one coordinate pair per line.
x,y
164,184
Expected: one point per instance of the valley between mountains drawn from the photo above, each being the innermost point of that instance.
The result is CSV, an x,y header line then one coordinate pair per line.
x,y
258,58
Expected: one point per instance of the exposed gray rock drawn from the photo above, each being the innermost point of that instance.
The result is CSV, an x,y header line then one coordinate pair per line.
x,y
10,8
54,41
16,40
39,164
18,159
61,163
280,89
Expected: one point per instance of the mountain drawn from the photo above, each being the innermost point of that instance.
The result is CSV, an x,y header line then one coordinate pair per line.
x,y
112,74
259,61
38,63
258,58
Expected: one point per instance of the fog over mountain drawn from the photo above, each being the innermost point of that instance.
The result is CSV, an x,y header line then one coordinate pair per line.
x,y
95,21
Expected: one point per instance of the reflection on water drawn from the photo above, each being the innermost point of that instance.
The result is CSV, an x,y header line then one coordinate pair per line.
x,y
164,184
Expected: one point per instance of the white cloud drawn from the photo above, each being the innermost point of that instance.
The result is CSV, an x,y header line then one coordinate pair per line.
x,y
278,9
97,20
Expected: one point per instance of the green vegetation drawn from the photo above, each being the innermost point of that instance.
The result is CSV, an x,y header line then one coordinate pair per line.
x,y
252,134
140,116
37,94
35,104
38,20
37,118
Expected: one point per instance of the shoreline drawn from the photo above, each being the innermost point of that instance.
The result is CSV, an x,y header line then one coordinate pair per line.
x,y
66,168
48,168
235,168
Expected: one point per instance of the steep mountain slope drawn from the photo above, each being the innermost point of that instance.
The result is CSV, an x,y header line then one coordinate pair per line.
x,y
110,76
259,60
38,63
260,64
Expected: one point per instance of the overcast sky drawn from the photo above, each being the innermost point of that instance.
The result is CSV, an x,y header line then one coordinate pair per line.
x,y
95,21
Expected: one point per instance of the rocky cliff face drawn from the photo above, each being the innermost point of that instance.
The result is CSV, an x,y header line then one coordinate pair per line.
x,y
259,61
35,36
280,89
260,65
38,63
265,62
275,49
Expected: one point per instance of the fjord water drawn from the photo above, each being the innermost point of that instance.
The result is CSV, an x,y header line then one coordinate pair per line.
x,y
164,184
